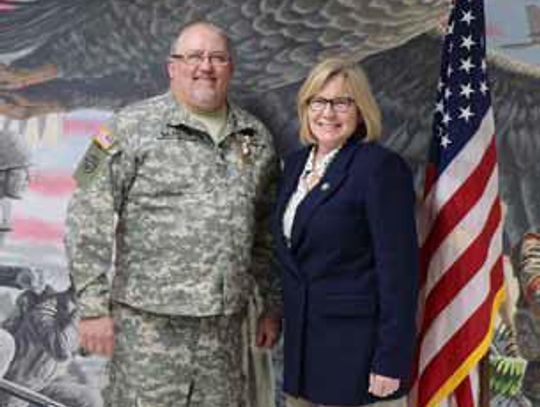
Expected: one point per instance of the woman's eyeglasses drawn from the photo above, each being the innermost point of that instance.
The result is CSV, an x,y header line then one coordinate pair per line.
x,y
340,104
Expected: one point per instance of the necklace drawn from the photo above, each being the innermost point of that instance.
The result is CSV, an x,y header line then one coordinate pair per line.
x,y
311,179
315,169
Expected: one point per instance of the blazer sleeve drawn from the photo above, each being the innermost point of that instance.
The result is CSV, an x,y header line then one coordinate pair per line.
x,y
391,218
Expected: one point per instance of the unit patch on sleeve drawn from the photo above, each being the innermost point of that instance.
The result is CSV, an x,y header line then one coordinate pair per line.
x,y
94,159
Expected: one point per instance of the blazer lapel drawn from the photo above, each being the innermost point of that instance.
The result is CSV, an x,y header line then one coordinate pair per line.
x,y
334,176
289,183
288,186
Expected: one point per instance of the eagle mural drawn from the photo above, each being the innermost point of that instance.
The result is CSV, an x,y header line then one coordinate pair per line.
x,y
59,56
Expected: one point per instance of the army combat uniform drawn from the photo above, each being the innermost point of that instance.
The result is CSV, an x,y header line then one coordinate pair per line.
x,y
186,221
526,262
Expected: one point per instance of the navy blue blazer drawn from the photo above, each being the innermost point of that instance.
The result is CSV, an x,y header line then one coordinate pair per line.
x,y
350,275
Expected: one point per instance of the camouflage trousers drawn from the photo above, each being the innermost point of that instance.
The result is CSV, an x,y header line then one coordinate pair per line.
x,y
300,402
166,361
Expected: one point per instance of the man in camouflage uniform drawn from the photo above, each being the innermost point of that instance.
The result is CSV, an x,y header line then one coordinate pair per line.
x,y
526,262
178,187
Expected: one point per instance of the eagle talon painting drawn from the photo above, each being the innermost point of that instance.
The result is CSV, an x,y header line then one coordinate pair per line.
x,y
67,65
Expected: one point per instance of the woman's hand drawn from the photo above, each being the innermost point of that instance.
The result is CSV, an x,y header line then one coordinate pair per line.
x,y
382,386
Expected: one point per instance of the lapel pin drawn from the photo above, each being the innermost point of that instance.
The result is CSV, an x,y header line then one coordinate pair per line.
x,y
325,186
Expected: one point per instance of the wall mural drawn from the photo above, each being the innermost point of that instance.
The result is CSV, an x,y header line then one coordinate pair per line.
x,y
65,66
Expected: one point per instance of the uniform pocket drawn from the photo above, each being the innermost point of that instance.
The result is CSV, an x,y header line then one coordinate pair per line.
x,y
176,167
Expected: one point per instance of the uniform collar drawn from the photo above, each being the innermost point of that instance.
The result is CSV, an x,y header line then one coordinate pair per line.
x,y
237,120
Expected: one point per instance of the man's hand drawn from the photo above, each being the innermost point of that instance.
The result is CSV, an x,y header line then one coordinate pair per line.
x,y
96,335
268,330
382,386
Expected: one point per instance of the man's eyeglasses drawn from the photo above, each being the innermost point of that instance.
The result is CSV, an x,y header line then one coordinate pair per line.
x,y
197,58
340,104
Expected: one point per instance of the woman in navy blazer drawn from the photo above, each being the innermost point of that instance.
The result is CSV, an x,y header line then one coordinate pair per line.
x,y
346,243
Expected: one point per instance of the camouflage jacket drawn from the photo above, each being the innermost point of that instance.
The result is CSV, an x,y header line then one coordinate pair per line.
x,y
526,262
185,220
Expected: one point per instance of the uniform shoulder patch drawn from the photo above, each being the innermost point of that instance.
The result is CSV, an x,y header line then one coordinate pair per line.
x,y
104,138
93,161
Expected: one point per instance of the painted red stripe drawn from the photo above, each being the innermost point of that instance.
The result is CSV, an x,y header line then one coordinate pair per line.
x,y
494,30
462,270
51,183
457,207
78,127
36,230
452,355
6,6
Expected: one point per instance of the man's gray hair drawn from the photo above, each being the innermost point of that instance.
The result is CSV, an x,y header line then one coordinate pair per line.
x,y
220,31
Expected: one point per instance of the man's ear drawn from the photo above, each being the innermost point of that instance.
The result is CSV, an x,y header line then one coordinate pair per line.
x,y
170,69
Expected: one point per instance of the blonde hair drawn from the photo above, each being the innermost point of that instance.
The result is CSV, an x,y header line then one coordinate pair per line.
x,y
357,83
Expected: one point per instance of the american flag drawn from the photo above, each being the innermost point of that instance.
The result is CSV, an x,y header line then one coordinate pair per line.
x,y
462,283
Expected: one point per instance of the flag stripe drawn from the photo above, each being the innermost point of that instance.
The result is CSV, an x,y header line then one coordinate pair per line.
x,y
460,354
51,183
464,393
36,229
467,230
460,225
450,180
73,127
457,207
469,298
462,270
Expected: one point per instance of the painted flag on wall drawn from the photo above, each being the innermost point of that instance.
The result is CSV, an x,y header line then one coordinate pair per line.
x,y
34,225
460,224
